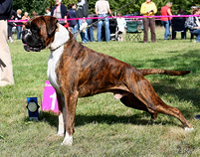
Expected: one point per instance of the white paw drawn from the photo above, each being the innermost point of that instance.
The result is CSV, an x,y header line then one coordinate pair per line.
x,y
68,140
188,129
60,134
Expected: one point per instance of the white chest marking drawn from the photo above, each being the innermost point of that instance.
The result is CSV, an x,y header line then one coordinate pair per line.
x,y
51,71
57,48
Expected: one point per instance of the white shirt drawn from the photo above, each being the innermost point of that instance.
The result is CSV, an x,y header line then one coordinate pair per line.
x,y
102,6
121,23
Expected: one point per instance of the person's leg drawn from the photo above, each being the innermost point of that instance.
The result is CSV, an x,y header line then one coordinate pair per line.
x,y
91,34
107,29
85,36
146,27
166,25
80,21
10,33
6,73
152,29
169,34
75,29
196,32
99,28
19,32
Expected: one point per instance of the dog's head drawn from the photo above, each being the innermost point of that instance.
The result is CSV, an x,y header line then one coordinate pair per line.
x,y
39,33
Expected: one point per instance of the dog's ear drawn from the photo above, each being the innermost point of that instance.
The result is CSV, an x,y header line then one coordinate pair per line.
x,y
51,24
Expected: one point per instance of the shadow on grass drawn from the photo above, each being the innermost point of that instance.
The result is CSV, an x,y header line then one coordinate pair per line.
x,y
136,119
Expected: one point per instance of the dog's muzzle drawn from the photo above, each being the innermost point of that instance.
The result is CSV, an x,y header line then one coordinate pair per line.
x,y
31,41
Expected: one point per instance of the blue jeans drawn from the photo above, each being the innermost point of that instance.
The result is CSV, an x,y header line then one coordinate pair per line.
x,y
196,32
99,25
84,36
91,35
74,31
19,32
166,24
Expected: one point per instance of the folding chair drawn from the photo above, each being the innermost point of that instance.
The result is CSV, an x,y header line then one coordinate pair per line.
x,y
178,25
132,32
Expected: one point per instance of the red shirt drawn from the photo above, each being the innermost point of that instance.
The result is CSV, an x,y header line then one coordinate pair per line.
x,y
164,13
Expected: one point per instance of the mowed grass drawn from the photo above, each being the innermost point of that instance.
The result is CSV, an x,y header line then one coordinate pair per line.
x,y
103,125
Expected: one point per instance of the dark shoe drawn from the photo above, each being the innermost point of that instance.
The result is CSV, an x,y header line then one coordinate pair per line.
x,y
197,117
169,36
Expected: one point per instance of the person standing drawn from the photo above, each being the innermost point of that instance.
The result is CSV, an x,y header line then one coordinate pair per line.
x,y
6,70
82,12
73,23
19,24
149,9
121,24
25,17
59,11
102,8
10,26
166,21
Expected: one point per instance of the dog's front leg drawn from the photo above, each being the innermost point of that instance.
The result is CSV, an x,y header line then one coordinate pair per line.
x,y
70,104
62,116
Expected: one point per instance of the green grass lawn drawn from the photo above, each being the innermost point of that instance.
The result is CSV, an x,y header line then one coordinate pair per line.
x,y
103,125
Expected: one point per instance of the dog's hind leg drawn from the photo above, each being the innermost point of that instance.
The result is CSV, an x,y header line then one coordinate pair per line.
x,y
131,101
146,94
154,116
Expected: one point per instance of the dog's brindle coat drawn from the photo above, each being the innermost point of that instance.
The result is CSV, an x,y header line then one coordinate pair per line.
x,y
77,71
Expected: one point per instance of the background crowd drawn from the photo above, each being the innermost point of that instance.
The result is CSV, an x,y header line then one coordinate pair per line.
x,y
102,10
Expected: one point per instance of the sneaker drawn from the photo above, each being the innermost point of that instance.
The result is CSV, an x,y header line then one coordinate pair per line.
x,y
11,40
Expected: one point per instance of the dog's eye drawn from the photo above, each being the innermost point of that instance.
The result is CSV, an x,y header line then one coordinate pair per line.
x,y
35,29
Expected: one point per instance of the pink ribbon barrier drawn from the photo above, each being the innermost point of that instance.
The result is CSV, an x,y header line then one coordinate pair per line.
x,y
126,17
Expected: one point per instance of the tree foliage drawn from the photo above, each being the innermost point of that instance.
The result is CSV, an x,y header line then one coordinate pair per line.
x,y
38,6
134,8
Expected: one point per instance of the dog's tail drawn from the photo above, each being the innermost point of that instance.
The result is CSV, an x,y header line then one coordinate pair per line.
x,y
162,71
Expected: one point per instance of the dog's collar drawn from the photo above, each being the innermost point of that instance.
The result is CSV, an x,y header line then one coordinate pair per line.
x,y
59,46
68,41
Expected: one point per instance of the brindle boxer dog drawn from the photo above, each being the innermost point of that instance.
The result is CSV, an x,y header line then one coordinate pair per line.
x,y
77,71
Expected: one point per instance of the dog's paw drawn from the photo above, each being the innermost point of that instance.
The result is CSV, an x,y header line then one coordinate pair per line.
x,y
59,134
68,140
189,129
